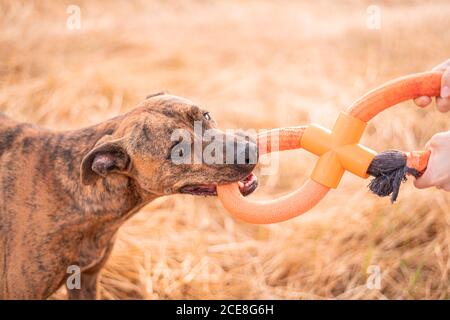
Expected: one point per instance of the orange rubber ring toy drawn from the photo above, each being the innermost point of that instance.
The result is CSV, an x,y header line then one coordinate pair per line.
x,y
338,150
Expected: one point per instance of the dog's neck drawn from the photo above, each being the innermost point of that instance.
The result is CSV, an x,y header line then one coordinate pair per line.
x,y
112,199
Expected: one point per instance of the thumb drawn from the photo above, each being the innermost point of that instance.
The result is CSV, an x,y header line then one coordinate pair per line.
x,y
443,102
445,84
424,181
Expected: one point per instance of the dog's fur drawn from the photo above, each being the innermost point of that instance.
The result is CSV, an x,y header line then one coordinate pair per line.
x,y
63,195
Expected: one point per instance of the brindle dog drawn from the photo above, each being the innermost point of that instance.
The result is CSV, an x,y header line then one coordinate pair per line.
x,y
64,195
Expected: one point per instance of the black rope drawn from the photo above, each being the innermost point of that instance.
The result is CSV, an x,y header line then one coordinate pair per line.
x,y
389,170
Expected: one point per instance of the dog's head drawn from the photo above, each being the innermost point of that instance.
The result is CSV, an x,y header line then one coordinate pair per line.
x,y
169,145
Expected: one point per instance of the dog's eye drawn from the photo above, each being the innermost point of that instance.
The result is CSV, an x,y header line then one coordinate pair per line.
x,y
207,116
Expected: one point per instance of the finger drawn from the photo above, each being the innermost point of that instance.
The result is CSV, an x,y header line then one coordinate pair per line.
x,y
422,101
446,187
443,104
441,67
424,181
445,84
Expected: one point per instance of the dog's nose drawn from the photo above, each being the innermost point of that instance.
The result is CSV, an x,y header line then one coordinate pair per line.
x,y
247,155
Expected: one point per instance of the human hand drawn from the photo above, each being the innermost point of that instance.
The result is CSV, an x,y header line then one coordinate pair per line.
x,y
442,102
438,170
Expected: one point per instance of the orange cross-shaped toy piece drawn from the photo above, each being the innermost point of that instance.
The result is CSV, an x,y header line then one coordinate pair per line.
x,y
339,150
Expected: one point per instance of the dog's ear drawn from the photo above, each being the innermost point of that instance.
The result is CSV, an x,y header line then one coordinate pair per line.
x,y
104,158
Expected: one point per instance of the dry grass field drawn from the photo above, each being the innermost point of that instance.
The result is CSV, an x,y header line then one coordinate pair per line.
x,y
253,64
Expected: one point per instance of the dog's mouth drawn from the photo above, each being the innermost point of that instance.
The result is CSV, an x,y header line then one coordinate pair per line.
x,y
246,186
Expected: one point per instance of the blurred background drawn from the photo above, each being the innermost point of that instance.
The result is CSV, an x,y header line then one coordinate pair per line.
x,y
253,64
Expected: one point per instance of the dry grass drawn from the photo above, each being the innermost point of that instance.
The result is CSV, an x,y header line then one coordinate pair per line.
x,y
254,64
